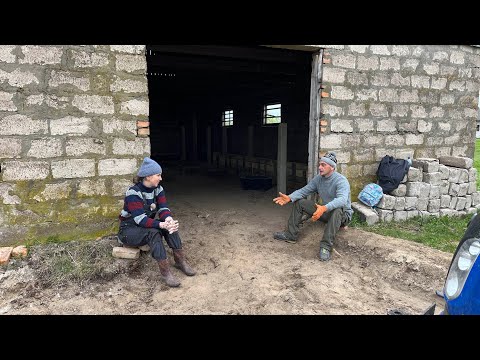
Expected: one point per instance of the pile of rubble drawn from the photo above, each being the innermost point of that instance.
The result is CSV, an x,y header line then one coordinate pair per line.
x,y
433,187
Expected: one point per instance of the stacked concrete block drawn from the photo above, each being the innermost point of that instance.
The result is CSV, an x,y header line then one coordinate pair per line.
x,y
366,213
434,187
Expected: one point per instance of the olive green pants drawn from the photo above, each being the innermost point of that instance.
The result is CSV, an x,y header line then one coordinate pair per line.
x,y
334,219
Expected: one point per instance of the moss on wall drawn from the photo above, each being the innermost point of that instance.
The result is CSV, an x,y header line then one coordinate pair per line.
x,y
67,232
356,185
60,219
88,93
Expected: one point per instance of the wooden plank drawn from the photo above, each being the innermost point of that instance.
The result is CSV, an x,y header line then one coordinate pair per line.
x,y
184,145
282,158
176,61
314,117
209,145
194,137
258,53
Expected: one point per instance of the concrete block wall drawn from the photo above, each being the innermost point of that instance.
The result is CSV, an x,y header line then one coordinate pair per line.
x,y
404,100
74,123
73,130
433,187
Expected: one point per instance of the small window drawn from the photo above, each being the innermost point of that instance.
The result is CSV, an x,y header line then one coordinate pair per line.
x,y
227,118
272,114
478,127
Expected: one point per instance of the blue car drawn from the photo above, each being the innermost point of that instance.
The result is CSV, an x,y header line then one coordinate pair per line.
x,y
462,286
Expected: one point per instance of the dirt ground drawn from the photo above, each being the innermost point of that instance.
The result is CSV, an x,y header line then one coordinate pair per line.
x,y
241,269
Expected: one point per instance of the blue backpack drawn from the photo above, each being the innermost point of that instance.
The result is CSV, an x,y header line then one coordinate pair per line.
x,y
371,194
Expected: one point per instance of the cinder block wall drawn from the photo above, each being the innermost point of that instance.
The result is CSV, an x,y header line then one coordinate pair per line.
x,y
73,129
417,101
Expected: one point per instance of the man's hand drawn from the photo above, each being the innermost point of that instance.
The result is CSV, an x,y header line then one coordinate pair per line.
x,y
282,199
319,212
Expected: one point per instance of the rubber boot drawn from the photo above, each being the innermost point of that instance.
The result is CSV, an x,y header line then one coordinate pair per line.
x,y
181,263
166,274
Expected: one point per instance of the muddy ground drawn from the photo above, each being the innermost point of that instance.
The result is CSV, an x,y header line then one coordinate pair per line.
x,y
241,269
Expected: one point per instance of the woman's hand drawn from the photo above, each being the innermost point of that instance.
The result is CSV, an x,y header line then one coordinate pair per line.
x,y
169,224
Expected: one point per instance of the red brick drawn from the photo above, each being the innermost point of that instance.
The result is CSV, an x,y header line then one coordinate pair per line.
x,y
325,94
5,253
143,124
143,132
20,251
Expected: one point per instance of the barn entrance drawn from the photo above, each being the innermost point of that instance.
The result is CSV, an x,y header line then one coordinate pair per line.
x,y
230,111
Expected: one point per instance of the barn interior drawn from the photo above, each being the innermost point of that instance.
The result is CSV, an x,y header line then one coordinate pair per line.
x,y
215,113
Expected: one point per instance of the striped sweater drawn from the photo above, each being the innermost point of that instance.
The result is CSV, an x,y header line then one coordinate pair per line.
x,y
133,205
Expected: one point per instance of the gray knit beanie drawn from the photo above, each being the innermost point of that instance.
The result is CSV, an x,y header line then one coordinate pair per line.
x,y
330,158
149,167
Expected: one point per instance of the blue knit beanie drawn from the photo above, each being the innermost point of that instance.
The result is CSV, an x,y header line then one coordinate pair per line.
x,y
330,158
149,167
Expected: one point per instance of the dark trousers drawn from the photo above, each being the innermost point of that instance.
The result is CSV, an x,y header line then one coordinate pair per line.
x,y
132,235
334,220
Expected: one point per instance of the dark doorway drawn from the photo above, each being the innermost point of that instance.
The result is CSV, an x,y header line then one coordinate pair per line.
x,y
192,87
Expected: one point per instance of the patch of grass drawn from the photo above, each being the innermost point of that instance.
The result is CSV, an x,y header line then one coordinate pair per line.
x,y
441,233
53,239
74,262
476,160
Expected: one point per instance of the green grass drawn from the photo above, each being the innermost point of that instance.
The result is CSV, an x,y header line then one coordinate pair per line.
x,y
476,160
441,233
78,262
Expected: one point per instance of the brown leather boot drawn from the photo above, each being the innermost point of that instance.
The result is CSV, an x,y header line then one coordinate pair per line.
x,y
181,263
166,274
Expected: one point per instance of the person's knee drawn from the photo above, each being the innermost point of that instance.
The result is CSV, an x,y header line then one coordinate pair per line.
x,y
337,212
302,202
154,234
335,217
